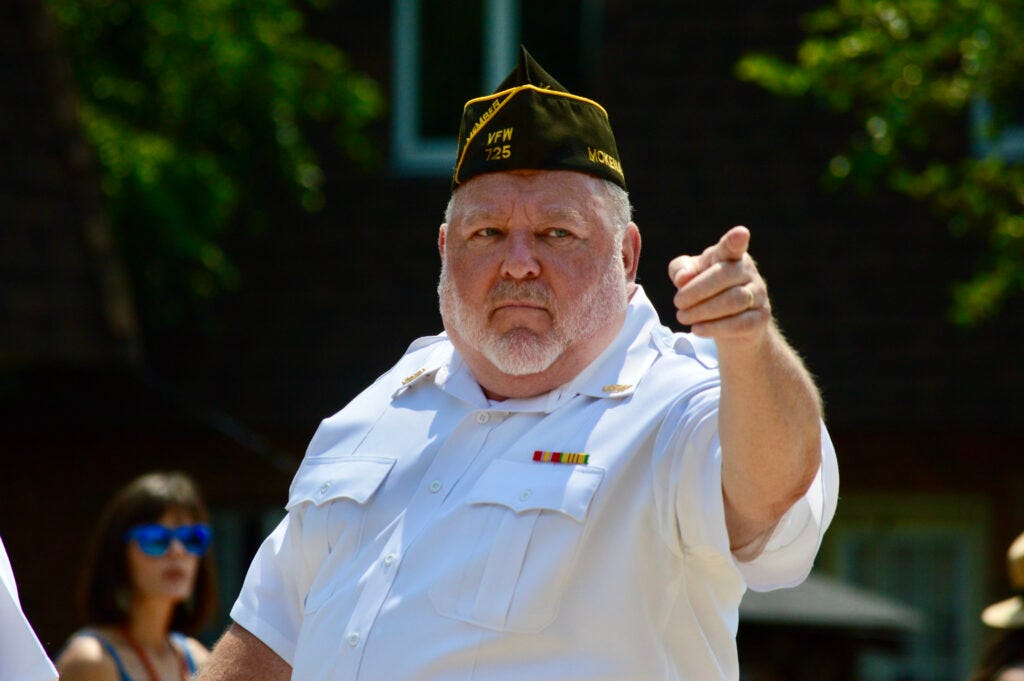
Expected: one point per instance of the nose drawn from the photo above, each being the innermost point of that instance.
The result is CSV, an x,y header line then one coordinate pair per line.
x,y
176,547
520,261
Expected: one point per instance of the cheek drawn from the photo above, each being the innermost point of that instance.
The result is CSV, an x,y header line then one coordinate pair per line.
x,y
468,280
579,275
140,569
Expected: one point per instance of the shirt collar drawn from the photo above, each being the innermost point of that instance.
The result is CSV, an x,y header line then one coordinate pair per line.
x,y
443,366
614,374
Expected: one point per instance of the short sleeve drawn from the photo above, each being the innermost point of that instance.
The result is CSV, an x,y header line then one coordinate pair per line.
x,y
691,508
688,477
270,602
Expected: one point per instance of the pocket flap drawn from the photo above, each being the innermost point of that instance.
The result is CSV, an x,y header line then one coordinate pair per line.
x,y
327,478
525,486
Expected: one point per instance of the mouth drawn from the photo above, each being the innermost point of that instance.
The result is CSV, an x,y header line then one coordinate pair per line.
x,y
518,304
174,574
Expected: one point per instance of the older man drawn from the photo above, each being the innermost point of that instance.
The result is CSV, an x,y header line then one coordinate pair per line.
x,y
558,487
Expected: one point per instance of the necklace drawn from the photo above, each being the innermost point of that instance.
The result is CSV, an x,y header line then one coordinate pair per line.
x,y
147,663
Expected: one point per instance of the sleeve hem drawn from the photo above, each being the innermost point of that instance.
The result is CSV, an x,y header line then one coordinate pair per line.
x,y
274,639
789,553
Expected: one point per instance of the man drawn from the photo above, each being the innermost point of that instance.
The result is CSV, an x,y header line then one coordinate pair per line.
x,y
558,487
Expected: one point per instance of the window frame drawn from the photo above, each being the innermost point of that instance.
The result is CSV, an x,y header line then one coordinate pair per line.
x,y
1007,144
411,152
924,519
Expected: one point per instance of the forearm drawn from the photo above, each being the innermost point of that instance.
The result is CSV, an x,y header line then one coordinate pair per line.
x,y
240,656
769,414
769,427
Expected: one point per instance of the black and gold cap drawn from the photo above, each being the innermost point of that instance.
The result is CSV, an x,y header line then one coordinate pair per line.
x,y
531,122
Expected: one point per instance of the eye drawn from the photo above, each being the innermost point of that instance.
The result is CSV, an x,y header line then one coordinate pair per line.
x,y
557,233
487,232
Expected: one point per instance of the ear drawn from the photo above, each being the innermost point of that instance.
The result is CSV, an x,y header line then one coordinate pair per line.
x,y
631,251
440,239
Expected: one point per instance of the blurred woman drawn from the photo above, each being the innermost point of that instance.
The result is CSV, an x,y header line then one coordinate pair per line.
x,y
148,583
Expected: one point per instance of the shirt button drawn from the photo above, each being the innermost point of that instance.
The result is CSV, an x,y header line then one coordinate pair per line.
x,y
435,486
353,639
323,490
389,559
525,494
483,417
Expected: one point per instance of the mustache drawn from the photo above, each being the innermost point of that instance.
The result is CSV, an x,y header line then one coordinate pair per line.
x,y
524,291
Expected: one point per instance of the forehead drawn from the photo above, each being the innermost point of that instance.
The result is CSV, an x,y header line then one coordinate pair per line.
x,y
174,516
548,191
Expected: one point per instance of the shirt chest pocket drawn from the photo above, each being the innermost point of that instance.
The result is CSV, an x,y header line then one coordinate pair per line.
x,y
522,524
333,494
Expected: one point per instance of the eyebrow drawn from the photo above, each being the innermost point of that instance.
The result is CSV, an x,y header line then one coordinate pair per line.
x,y
473,214
479,213
562,213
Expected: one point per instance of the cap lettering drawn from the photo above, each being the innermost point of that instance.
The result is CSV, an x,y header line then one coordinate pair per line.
x,y
599,156
486,115
499,136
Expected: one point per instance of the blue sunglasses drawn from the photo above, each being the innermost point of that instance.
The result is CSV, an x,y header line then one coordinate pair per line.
x,y
154,539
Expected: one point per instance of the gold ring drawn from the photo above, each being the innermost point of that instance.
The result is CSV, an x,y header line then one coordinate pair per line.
x,y
750,293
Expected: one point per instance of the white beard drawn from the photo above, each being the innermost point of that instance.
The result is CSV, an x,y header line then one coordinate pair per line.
x,y
520,351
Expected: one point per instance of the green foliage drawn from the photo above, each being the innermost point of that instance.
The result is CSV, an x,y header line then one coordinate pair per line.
x,y
199,112
916,78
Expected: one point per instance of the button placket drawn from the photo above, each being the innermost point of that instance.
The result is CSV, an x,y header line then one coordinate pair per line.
x,y
381,576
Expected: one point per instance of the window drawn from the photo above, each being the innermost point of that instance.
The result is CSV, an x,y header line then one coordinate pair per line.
x,y
928,553
998,130
238,533
445,52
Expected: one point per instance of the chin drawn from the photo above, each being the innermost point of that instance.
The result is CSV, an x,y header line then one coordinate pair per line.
x,y
521,352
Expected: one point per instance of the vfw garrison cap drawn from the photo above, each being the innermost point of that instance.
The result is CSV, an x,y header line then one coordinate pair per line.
x,y
531,122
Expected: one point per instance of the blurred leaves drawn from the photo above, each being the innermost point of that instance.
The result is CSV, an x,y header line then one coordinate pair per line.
x,y
931,88
199,111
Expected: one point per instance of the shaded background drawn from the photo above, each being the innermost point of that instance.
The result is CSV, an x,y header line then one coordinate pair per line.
x,y
926,416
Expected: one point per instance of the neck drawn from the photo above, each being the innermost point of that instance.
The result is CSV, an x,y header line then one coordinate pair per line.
x,y
149,621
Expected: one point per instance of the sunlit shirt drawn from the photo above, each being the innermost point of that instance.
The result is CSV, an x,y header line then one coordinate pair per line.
x,y
431,535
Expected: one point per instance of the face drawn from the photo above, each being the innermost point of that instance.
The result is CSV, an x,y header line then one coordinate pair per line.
x,y
531,270
171,576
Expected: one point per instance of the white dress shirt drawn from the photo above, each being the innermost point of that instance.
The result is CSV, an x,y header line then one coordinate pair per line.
x,y
424,542
22,657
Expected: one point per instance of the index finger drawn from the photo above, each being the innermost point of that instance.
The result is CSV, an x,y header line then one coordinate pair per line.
x,y
732,246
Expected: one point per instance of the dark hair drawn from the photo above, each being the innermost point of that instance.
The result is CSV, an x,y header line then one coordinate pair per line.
x,y
105,580
1005,652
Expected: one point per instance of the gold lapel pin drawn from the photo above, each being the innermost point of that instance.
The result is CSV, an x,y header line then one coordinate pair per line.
x,y
409,379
